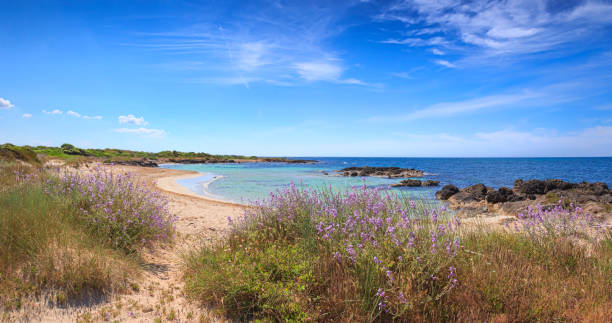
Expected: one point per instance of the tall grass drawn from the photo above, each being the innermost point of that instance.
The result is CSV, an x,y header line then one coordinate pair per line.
x,y
365,255
55,239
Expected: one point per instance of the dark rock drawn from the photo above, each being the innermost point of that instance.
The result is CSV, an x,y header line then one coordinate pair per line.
x,y
535,186
133,162
389,172
477,191
446,192
289,161
503,194
408,182
431,183
474,193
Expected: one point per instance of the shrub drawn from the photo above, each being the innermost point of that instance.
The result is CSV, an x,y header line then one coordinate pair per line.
x,y
45,248
311,254
118,207
365,255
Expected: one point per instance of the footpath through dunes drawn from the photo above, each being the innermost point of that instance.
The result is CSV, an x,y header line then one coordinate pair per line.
x,y
157,295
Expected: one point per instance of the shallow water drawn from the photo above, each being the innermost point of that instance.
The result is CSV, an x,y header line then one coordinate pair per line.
x,y
253,181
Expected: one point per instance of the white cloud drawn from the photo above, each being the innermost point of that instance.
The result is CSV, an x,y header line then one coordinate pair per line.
x,y
448,109
130,118
72,113
93,117
56,111
5,104
500,27
26,115
145,132
445,63
318,71
251,55
275,44
436,51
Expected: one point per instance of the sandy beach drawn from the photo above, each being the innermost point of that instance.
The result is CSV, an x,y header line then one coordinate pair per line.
x,y
199,218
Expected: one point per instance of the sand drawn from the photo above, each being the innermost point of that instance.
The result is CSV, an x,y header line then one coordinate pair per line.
x,y
200,220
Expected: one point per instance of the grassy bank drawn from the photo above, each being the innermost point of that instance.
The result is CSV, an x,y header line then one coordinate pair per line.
x,y
69,235
71,153
365,256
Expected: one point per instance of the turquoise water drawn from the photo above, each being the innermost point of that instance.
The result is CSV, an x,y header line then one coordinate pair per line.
x,y
253,181
243,183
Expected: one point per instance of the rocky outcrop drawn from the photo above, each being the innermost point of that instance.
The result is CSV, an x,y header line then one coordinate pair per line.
x,y
503,194
134,162
597,197
408,183
430,183
446,192
290,161
199,161
415,183
388,172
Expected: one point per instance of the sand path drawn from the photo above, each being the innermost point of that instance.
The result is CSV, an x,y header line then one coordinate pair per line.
x,y
159,290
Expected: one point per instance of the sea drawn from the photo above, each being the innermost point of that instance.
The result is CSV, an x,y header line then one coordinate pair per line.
x,y
248,182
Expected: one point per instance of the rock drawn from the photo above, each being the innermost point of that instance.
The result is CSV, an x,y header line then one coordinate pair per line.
x,y
477,191
389,172
474,193
408,182
446,192
503,194
431,183
597,197
133,162
535,186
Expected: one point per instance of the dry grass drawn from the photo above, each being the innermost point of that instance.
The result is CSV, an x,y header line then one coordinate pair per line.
x,y
275,265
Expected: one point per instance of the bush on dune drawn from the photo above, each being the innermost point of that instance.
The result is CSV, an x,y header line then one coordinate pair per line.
x,y
323,255
57,235
368,256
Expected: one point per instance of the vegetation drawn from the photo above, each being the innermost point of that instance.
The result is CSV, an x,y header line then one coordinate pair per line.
x,y
367,256
69,152
71,235
12,153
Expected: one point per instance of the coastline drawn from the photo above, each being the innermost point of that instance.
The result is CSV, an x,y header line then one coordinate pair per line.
x,y
170,184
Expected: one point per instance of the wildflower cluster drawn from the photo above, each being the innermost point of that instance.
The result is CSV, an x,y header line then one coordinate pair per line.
x,y
118,207
557,221
392,247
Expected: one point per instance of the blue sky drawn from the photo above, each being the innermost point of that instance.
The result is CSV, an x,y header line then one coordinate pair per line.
x,y
307,78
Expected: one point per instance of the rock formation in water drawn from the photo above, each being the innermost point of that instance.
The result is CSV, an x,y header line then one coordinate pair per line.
x,y
388,172
415,183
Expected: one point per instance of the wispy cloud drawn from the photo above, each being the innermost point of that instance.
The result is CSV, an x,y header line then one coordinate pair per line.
x,y
445,63
498,27
448,109
5,104
26,115
55,112
78,115
275,44
595,141
144,132
131,119
72,113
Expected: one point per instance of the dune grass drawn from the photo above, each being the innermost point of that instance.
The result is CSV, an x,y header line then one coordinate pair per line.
x,y
363,255
56,240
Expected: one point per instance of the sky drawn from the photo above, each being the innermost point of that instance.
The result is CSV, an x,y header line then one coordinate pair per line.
x,y
408,78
